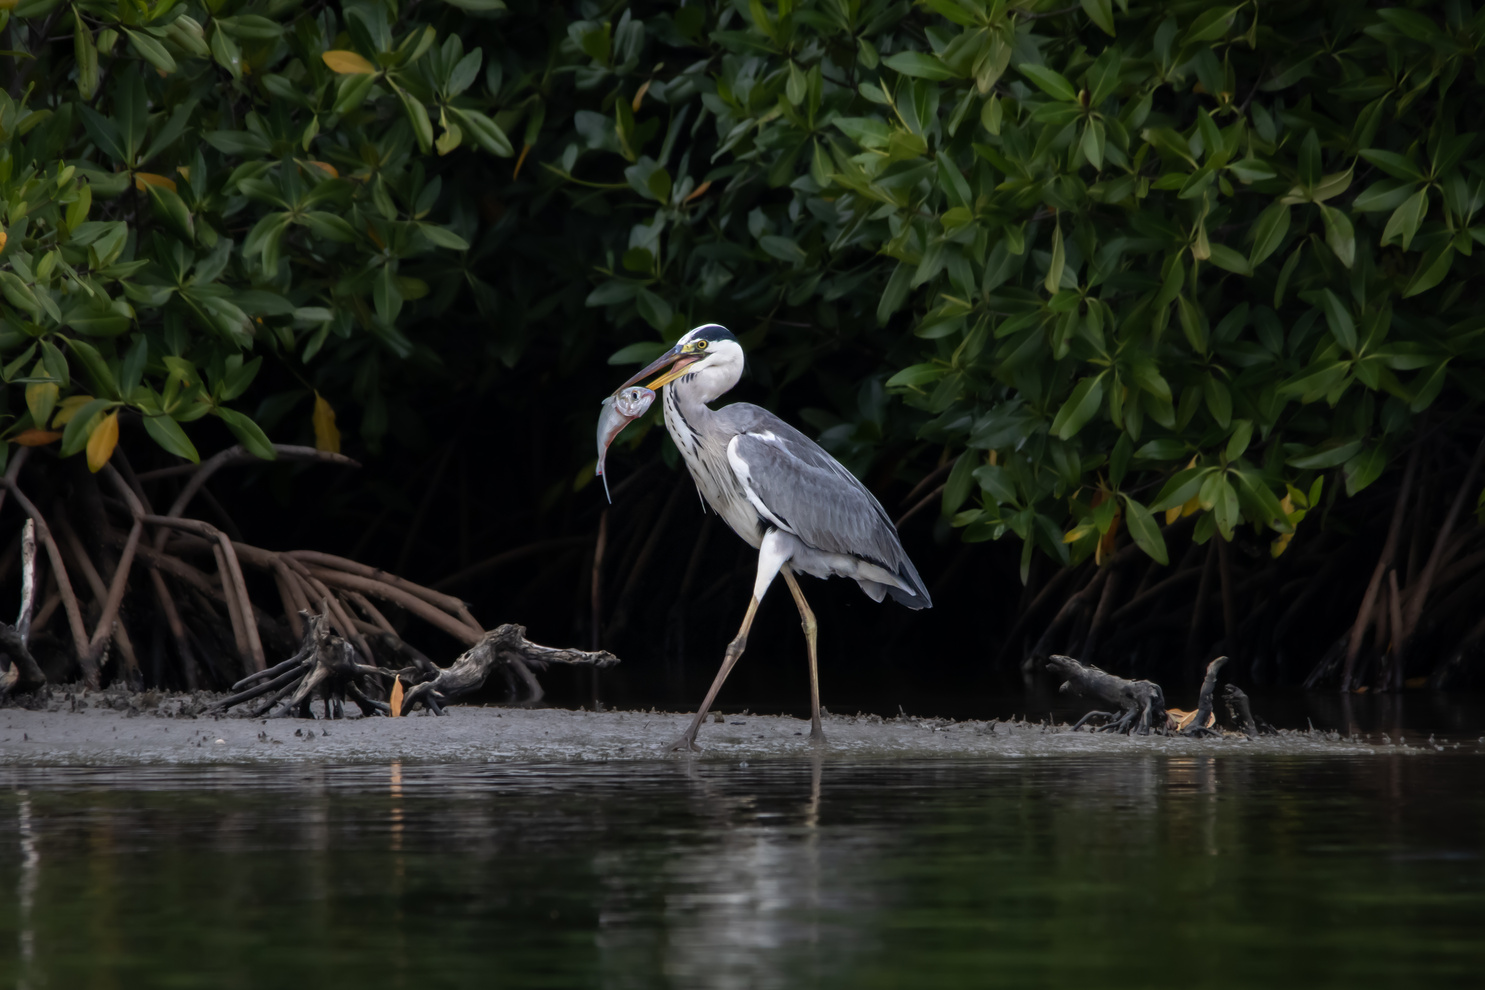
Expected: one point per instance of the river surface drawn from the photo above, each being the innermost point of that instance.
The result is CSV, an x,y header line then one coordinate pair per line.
x,y
1128,870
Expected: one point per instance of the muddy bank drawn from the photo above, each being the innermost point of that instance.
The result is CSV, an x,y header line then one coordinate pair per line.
x,y
100,728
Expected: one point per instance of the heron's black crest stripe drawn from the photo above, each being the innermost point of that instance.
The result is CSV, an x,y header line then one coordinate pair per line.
x,y
712,331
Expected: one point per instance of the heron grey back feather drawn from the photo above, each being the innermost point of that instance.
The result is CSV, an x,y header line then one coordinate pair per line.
x,y
810,494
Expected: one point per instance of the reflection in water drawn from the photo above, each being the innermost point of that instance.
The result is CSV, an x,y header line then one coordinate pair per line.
x,y
26,890
1044,871
739,909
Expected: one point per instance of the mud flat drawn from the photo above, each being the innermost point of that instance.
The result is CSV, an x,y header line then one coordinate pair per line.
x,y
135,730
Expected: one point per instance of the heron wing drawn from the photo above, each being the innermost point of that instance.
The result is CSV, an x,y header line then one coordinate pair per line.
x,y
801,489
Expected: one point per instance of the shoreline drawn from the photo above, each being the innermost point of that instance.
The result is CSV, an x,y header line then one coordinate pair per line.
x,y
135,730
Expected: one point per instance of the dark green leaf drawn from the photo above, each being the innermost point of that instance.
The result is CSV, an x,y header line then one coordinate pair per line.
x,y
167,433
1145,531
1085,400
248,433
918,64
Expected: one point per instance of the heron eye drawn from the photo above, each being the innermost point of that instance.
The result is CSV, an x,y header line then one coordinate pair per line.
x,y
701,345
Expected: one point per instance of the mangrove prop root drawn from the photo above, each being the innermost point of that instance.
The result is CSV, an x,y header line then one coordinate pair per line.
x,y
1141,703
325,667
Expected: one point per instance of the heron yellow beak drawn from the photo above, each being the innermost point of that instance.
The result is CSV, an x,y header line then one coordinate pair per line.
x,y
679,359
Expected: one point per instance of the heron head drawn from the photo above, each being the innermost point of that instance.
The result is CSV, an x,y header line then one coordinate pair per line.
x,y
704,348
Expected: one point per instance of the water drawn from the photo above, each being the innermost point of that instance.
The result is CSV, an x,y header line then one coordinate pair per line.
x,y
1113,871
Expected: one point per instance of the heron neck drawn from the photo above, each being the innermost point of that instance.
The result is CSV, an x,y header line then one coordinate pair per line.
x,y
690,401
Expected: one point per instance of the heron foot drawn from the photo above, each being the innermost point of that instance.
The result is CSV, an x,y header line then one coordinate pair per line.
x,y
687,743
817,736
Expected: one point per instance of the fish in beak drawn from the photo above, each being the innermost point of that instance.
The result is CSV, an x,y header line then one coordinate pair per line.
x,y
619,410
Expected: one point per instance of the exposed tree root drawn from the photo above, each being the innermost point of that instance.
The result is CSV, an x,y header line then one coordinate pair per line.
x,y
1240,713
1141,704
200,581
1200,722
326,669
503,647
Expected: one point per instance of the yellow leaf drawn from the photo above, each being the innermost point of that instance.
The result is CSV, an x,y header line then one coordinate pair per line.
x,y
41,399
700,190
1193,504
327,437
347,63
3,238
104,439
1172,514
1078,532
525,150
396,701
68,408
1280,544
327,168
143,179
640,96
36,438
185,172
1181,719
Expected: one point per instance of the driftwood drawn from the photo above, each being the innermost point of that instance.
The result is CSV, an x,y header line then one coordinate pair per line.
x,y
326,668
504,647
1200,722
1240,713
1140,704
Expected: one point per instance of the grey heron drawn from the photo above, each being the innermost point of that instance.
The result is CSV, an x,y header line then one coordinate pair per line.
x,y
779,491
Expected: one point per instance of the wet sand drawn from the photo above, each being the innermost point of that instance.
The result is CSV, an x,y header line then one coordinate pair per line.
x,y
162,730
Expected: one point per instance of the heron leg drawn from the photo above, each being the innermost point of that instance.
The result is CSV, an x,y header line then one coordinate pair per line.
x,y
734,650
773,554
807,618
